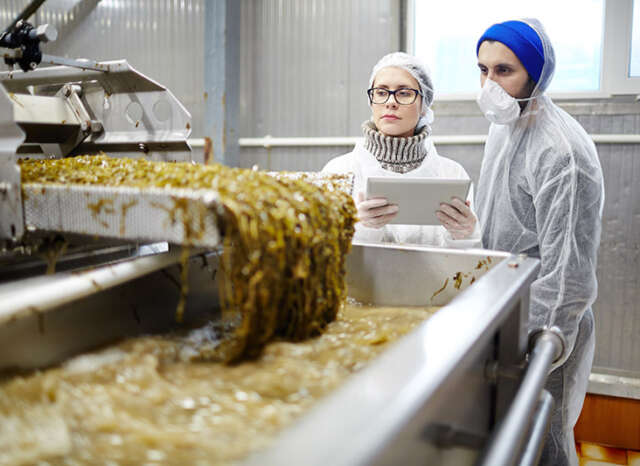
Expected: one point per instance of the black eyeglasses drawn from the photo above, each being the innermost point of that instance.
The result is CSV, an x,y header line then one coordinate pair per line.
x,y
403,96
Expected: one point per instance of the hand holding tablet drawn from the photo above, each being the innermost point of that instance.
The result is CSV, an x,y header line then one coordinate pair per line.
x,y
418,201
375,213
457,218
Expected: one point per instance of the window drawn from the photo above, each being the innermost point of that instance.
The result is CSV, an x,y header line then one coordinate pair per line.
x,y
590,52
621,57
634,60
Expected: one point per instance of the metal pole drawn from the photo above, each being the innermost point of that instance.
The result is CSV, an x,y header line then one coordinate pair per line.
x,y
533,449
40,294
221,71
28,11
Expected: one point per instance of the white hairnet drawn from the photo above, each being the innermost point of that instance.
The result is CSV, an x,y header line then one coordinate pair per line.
x,y
541,192
420,73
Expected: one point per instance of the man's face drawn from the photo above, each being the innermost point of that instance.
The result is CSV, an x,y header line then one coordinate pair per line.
x,y
498,63
391,118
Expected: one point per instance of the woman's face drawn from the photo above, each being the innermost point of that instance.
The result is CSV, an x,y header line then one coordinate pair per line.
x,y
498,63
390,118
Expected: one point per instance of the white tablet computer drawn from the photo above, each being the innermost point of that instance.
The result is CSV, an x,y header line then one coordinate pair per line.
x,y
417,198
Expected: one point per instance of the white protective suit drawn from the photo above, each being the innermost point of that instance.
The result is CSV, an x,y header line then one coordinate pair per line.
x,y
363,164
541,193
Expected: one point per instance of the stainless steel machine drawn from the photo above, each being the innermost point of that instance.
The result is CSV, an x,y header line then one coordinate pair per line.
x,y
459,390
85,107
62,111
465,388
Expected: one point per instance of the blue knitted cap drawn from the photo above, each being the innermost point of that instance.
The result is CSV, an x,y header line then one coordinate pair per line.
x,y
523,41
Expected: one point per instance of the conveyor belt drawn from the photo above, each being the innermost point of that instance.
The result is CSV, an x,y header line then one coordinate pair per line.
x,y
179,216
174,215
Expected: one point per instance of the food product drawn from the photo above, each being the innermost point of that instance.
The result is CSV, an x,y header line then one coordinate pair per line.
x,y
285,240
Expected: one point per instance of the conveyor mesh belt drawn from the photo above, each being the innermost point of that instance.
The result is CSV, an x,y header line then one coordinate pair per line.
x,y
123,212
173,215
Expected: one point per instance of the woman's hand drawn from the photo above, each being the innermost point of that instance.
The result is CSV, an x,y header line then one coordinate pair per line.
x,y
457,218
375,213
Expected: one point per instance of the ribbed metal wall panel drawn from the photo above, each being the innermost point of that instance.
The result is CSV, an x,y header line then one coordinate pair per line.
x,y
305,64
618,305
161,38
283,158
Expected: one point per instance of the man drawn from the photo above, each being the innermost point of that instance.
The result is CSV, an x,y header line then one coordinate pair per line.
x,y
540,192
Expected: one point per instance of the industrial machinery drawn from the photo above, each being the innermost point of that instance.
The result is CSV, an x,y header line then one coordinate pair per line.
x,y
464,388
458,390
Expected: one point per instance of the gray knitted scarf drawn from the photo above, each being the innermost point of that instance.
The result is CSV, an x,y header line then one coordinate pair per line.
x,y
399,155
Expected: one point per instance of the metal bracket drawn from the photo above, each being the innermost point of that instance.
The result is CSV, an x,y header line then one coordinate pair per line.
x,y
73,93
72,96
447,436
555,336
493,371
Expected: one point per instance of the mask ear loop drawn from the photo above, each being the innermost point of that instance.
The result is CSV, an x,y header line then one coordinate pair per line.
x,y
526,110
532,97
526,99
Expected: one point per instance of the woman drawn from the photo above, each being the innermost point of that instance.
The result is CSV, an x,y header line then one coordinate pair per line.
x,y
541,193
397,143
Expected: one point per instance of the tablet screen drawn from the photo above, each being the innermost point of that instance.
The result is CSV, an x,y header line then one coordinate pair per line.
x,y
417,198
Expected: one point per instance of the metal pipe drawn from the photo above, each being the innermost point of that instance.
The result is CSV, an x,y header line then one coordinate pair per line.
x,y
533,448
30,9
40,294
616,138
508,440
269,141
17,81
469,139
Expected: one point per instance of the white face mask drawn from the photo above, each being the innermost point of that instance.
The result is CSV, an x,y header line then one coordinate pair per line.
x,y
498,106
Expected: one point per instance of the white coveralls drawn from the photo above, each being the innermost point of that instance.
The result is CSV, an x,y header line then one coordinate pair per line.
x,y
541,193
363,164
